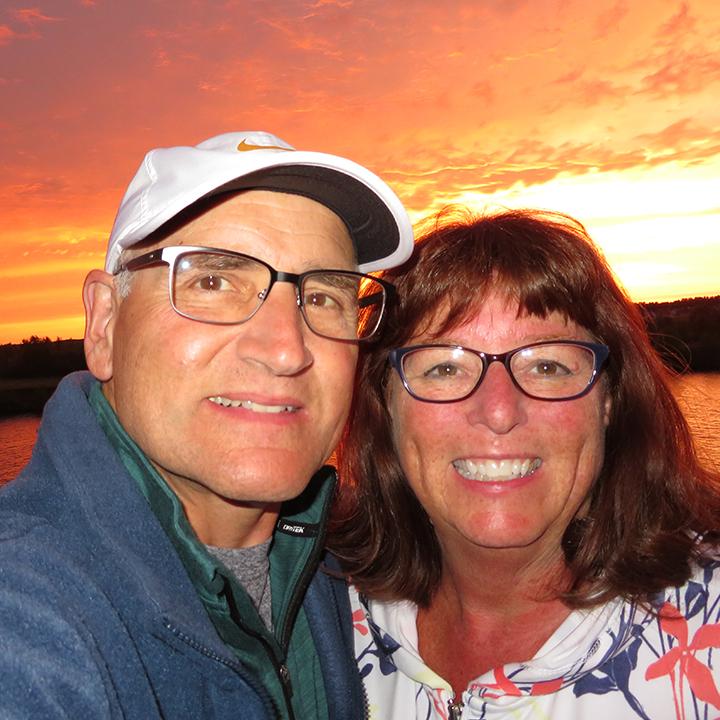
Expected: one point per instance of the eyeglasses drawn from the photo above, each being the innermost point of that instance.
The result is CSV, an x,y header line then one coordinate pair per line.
x,y
227,288
555,370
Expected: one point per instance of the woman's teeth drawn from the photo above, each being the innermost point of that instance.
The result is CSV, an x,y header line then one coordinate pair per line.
x,y
497,470
250,405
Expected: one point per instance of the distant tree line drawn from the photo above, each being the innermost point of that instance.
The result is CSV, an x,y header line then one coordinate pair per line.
x,y
686,332
38,357
30,371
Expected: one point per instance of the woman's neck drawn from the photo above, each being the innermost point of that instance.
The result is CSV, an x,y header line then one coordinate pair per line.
x,y
499,612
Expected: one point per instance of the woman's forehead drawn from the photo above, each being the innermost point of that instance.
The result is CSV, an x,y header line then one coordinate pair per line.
x,y
493,309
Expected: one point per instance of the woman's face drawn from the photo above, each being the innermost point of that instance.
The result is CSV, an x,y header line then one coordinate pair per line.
x,y
447,451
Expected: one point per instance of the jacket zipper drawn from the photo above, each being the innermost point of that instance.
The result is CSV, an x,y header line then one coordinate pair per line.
x,y
292,611
280,667
366,700
455,708
305,578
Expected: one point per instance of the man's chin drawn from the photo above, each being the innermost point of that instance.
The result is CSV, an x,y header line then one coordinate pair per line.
x,y
244,475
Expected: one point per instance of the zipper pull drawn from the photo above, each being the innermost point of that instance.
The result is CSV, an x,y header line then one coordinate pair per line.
x,y
285,678
455,709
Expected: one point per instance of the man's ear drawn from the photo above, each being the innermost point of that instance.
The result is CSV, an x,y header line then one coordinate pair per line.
x,y
100,315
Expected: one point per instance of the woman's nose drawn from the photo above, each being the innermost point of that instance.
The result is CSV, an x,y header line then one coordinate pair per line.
x,y
497,403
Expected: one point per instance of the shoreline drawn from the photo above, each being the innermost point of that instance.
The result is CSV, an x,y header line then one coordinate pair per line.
x,y
27,396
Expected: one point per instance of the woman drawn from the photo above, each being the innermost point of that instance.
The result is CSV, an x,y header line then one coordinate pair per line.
x,y
525,519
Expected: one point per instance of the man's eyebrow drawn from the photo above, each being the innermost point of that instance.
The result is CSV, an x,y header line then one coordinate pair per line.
x,y
313,265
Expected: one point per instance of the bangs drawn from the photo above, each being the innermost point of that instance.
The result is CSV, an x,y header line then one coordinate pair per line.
x,y
539,265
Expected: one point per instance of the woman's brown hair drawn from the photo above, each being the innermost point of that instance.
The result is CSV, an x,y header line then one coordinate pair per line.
x,y
653,506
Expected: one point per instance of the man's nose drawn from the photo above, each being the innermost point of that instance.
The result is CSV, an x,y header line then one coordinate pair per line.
x,y
276,335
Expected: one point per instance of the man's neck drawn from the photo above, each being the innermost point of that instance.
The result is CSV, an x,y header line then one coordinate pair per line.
x,y
225,523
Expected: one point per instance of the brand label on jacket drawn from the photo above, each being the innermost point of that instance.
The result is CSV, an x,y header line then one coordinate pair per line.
x,y
299,529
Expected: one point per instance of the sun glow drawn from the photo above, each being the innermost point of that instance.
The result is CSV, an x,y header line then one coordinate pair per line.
x,y
659,229
605,111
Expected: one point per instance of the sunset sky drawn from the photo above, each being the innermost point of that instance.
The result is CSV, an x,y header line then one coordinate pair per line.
x,y
608,110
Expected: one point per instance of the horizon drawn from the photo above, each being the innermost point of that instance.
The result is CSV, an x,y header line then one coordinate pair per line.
x,y
36,338
608,114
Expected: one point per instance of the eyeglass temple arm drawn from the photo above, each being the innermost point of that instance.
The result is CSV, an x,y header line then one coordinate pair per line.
x,y
377,297
371,299
143,261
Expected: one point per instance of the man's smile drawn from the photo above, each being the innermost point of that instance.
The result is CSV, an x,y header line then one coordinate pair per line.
x,y
250,405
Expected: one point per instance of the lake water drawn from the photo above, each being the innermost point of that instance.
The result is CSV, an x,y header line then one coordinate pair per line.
x,y
698,395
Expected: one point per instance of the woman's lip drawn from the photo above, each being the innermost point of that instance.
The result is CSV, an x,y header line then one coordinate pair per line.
x,y
497,470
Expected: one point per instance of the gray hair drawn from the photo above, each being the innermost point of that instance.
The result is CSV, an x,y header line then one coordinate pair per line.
x,y
123,279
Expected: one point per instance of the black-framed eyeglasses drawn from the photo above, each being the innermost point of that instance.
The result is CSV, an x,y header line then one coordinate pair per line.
x,y
550,370
223,287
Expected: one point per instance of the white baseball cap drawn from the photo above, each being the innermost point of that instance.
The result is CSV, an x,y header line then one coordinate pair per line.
x,y
171,179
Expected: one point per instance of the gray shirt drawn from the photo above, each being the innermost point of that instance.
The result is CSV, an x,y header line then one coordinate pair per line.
x,y
251,568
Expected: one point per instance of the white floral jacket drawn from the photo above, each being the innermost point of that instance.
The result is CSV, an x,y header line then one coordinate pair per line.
x,y
619,661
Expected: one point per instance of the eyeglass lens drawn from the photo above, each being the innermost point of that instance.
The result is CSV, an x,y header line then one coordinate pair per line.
x,y
548,371
220,288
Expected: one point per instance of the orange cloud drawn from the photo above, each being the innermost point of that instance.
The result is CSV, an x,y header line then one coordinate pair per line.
x,y
683,72
608,20
678,25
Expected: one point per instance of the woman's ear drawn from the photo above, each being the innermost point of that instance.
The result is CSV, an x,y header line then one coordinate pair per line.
x,y
100,314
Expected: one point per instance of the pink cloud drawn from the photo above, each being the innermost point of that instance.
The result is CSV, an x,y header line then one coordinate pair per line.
x,y
303,39
334,3
30,16
7,34
679,24
162,58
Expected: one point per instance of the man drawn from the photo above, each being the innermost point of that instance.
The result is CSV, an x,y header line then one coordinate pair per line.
x,y
159,556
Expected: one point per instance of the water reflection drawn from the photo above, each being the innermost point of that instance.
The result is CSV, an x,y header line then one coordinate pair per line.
x,y
698,395
17,436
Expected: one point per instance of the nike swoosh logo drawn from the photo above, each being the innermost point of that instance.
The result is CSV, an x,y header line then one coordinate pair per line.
x,y
244,145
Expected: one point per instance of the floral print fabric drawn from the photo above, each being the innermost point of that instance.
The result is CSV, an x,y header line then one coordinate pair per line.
x,y
618,661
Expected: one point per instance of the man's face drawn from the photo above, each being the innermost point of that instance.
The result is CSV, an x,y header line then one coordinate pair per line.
x,y
165,368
